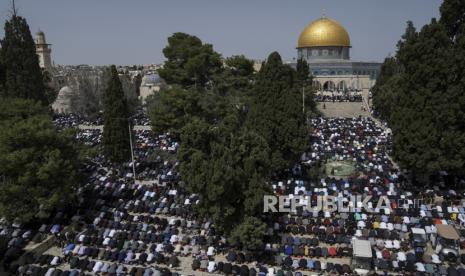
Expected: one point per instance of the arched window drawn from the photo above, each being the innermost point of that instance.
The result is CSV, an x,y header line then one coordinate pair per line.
x,y
329,86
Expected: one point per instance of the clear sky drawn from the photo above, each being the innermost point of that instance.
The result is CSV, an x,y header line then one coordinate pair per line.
x,y
136,31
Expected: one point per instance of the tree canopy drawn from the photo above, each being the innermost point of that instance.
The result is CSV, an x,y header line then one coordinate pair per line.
x,y
22,76
38,165
116,119
275,112
227,166
420,92
189,61
235,128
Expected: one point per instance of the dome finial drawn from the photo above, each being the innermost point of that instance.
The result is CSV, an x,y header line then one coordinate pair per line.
x,y
323,14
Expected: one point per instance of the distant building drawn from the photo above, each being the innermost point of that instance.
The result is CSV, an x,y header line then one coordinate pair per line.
x,y
44,52
325,45
62,103
150,85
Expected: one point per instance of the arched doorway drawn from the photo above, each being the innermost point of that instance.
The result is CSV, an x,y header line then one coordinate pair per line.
x,y
329,86
316,85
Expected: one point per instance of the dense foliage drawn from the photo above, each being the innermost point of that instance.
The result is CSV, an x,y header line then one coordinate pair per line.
x,y
38,165
421,93
22,76
305,80
248,233
116,119
276,114
235,128
226,165
189,61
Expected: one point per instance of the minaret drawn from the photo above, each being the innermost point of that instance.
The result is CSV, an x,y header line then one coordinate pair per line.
x,y
43,51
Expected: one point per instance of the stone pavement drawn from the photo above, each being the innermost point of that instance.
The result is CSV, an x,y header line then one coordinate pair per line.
x,y
342,109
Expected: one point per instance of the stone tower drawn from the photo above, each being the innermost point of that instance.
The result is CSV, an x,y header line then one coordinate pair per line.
x,y
43,51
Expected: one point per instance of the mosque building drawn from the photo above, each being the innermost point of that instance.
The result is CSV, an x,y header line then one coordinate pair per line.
x,y
325,45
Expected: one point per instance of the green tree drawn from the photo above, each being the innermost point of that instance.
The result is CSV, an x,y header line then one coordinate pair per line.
x,y
236,78
38,165
15,109
130,92
171,109
189,61
138,82
453,141
387,85
226,168
50,92
303,72
419,92
240,66
305,80
250,234
22,74
275,112
453,17
116,119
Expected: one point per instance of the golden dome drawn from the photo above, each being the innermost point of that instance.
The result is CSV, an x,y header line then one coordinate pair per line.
x,y
324,32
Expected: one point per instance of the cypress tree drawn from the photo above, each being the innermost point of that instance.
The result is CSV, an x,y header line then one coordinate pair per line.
x,y
453,17
419,118
386,87
303,71
275,112
22,76
305,80
421,93
116,119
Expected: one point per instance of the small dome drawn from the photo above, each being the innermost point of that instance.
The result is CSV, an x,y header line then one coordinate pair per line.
x,y
324,32
65,91
151,79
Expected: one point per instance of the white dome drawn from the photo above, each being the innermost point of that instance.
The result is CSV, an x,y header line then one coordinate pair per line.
x,y
65,90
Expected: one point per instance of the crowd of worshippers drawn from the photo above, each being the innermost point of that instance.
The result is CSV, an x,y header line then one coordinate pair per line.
x,y
338,97
126,228
68,120
391,232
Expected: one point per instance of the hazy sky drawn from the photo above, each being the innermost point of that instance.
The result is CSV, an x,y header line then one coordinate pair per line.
x,y
136,31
